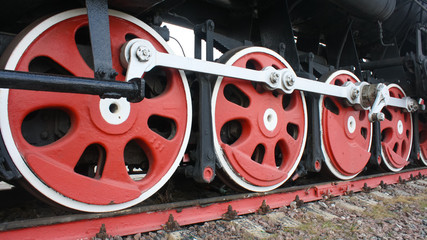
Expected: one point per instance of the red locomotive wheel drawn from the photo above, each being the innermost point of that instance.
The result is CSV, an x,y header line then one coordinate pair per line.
x,y
396,134
260,134
423,138
346,132
81,151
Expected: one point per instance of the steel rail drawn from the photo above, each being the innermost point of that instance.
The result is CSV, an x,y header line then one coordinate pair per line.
x,y
151,218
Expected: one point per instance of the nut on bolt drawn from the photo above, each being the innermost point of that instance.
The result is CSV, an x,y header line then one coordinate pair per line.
x,y
274,77
377,117
143,54
288,80
355,93
412,105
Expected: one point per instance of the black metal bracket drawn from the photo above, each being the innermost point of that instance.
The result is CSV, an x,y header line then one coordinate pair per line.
x,y
375,159
313,68
99,30
341,48
313,153
205,162
421,60
206,32
134,90
276,36
163,31
415,152
205,158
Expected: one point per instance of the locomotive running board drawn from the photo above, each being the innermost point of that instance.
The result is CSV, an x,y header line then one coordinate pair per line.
x,y
151,218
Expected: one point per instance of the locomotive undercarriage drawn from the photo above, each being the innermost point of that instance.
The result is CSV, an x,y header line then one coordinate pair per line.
x,y
305,95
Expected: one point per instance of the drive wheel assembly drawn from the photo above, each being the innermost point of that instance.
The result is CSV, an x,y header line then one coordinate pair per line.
x,y
259,134
396,134
80,151
346,133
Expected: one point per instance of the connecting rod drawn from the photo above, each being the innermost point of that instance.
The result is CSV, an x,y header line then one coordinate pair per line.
x,y
140,56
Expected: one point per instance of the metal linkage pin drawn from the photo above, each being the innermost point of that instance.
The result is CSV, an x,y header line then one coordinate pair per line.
x,y
143,54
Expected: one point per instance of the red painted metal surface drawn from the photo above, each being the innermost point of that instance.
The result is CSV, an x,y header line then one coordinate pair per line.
x,y
396,132
153,220
346,134
253,154
56,162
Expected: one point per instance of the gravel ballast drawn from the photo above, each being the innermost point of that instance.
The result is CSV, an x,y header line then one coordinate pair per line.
x,y
395,212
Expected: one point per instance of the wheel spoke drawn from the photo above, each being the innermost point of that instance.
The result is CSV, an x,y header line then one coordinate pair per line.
x,y
115,168
263,172
66,151
245,86
231,111
65,53
71,61
269,156
390,123
165,105
247,143
31,101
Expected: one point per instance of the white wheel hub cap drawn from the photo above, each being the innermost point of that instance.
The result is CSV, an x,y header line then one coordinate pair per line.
x,y
351,124
114,111
400,127
270,119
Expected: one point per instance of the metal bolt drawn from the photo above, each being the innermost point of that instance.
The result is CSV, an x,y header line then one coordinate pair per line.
x,y
412,106
289,80
378,117
274,77
355,93
143,54
210,25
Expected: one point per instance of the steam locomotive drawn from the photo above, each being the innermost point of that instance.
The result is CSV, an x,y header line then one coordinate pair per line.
x,y
97,113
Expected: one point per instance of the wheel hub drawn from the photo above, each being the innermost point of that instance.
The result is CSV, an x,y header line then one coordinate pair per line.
x,y
270,119
351,124
114,111
400,127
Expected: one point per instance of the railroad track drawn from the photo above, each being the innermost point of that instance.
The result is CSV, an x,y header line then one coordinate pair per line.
x,y
395,211
170,216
